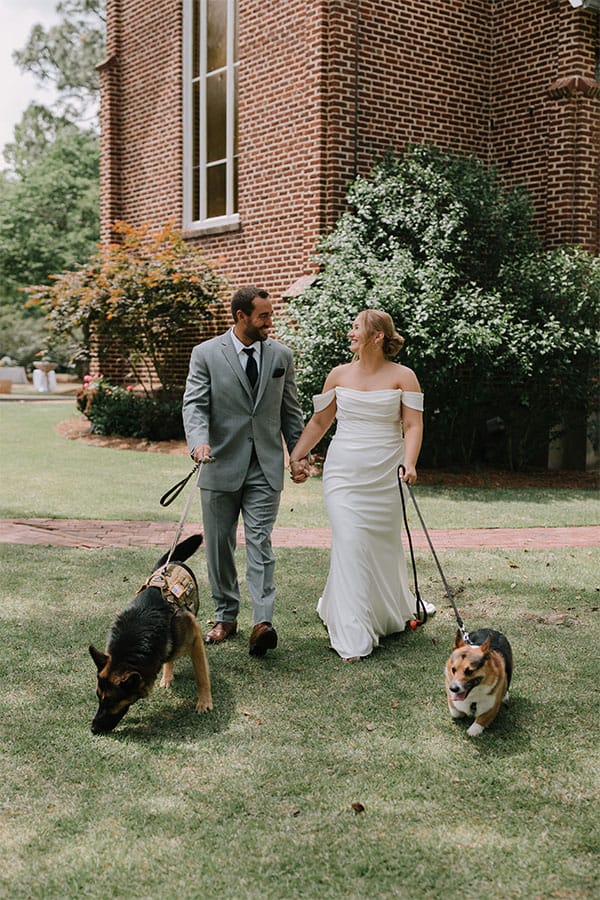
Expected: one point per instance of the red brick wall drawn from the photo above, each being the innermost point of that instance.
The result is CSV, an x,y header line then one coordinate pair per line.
x,y
400,73
326,86
546,114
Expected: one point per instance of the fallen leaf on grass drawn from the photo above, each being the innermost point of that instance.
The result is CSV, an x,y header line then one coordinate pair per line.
x,y
550,619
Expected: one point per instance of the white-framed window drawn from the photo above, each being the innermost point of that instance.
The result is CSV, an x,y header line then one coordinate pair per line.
x,y
210,72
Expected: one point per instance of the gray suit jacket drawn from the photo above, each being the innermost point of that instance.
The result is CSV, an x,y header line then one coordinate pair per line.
x,y
220,410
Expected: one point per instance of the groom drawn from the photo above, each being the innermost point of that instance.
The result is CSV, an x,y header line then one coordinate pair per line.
x,y
240,398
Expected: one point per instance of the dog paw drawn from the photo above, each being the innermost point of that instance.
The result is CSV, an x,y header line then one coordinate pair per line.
x,y
167,675
475,730
203,706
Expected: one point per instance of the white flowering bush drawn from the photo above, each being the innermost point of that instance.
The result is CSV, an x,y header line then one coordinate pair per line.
x,y
501,333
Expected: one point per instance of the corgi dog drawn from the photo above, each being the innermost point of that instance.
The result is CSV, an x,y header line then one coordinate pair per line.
x,y
478,676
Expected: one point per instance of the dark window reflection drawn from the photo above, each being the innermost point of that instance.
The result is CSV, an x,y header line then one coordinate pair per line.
x,y
215,190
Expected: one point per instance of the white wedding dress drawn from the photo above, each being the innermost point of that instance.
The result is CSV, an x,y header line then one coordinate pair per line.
x,y
367,594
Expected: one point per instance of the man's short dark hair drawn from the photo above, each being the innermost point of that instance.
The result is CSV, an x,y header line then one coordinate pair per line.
x,y
244,299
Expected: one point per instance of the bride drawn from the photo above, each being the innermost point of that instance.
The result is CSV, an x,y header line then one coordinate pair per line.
x,y
379,410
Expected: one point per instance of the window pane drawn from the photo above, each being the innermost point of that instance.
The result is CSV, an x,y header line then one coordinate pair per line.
x,y
235,110
215,191
216,34
216,121
195,123
196,193
235,31
195,38
235,184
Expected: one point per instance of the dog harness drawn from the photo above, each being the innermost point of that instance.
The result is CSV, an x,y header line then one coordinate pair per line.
x,y
177,586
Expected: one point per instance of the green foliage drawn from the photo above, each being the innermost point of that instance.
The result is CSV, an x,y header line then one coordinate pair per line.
x,y
66,55
20,336
138,298
37,130
116,410
495,327
49,216
49,196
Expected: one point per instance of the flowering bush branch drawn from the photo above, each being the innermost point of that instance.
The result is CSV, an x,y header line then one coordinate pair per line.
x,y
137,298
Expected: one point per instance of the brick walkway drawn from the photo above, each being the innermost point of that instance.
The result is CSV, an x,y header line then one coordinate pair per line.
x,y
89,533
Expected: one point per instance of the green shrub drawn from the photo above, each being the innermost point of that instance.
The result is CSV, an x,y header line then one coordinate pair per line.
x,y
138,300
120,411
21,336
501,333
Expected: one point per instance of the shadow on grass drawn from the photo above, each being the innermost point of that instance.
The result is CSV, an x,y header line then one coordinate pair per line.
x,y
173,716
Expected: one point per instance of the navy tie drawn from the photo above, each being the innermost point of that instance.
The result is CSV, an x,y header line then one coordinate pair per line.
x,y
251,367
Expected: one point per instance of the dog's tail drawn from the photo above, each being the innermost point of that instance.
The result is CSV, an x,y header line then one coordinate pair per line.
x,y
182,551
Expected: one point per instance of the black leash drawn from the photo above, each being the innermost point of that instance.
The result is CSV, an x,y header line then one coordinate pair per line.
x,y
174,492
449,594
421,611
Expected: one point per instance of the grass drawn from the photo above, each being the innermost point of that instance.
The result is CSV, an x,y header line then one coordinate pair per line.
x,y
255,799
47,475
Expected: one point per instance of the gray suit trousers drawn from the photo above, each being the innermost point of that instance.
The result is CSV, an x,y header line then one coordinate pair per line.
x,y
258,504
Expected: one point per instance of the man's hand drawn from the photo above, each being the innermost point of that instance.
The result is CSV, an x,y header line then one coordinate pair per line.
x,y
300,470
202,451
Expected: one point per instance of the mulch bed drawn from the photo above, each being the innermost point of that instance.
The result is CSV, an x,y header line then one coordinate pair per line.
x,y
78,428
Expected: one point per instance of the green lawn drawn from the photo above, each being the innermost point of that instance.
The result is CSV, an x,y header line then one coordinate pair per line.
x,y
44,474
255,799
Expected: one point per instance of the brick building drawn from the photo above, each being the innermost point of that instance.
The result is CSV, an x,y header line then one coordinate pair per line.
x,y
243,121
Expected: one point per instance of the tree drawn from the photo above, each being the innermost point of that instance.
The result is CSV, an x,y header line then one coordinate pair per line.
x,y
139,298
67,54
49,217
501,333
49,196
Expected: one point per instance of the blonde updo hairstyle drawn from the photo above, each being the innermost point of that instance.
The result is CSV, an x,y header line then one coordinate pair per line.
x,y
376,321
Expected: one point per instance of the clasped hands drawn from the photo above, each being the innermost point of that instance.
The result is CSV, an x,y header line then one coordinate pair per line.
x,y
299,470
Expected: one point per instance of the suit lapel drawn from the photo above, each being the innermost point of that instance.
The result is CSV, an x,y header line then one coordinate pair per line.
x,y
266,360
236,366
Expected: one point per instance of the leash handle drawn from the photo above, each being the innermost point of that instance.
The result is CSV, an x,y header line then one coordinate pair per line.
x,y
449,594
421,610
178,488
174,492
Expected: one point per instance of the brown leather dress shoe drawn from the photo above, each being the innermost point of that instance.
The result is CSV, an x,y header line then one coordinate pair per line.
x,y
263,638
220,632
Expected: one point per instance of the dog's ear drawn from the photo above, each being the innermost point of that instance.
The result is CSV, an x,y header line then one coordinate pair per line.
x,y
458,640
132,682
485,647
99,658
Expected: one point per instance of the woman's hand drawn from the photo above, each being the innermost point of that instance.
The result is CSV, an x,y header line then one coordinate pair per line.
x,y
409,475
299,470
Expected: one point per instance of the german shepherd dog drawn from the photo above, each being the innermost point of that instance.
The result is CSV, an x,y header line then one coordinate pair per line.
x,y
156,628
478,676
